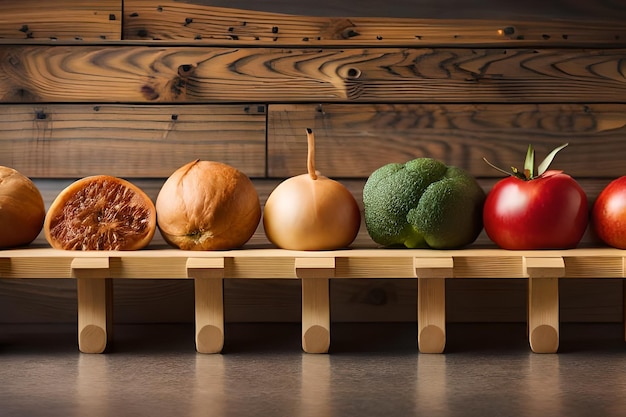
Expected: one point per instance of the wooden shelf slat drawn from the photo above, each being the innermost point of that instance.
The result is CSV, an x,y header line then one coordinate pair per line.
x,y
267,262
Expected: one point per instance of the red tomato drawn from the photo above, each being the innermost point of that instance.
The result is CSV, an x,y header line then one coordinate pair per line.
x,y
547,212
608,216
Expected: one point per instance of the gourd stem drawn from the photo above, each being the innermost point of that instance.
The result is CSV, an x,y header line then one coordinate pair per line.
x,y
310,137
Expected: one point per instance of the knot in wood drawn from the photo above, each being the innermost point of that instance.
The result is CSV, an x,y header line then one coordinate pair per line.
x,y
349,33
185,70
339,28
350,72
507,31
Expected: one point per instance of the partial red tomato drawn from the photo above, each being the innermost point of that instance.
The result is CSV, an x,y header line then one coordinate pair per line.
x,y
547,212
608,216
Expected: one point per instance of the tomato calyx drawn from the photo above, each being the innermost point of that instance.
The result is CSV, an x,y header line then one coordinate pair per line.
x,y
528,173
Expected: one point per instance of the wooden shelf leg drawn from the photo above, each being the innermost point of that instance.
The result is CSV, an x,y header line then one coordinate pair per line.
x,y
315,274
208,274
95,303
543,302
431,302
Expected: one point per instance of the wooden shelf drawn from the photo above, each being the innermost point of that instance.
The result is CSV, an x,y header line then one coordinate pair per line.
x,y
94,272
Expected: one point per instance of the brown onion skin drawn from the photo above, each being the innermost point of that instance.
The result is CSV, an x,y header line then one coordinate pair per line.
x,y
208,205
22,209
309,214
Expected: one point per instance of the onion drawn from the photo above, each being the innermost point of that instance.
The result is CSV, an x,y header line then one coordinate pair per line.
x,y
22,209
311,211
207,205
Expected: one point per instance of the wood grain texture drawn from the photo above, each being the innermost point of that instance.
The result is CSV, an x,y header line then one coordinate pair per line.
x,y
204,23
395,75
354,140
431,318
56,140
170,263
353,299
72,141
434,9
36,20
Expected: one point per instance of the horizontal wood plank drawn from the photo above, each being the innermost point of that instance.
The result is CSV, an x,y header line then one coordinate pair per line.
x,y
73,141
354,140
43,73
36,20
608,10
201,23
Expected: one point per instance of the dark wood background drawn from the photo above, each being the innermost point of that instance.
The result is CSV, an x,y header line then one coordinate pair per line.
x,y
138,88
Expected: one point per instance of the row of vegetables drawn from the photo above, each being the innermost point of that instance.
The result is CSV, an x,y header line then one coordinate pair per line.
x,y
208,205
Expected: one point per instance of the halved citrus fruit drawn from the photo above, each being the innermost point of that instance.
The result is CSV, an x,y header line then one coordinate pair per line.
x,y
100,212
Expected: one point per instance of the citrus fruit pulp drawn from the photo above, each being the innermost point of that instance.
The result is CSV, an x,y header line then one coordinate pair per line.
x,y
100,212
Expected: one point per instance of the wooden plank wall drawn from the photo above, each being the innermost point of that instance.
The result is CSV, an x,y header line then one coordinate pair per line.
x,y
138,88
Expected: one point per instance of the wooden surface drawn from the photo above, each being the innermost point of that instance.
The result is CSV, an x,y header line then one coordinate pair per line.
x,y
431,273
533,10
157,20
354,140
265,262
208,275
95,270
34,20
58,141
72,141
139,87
162,74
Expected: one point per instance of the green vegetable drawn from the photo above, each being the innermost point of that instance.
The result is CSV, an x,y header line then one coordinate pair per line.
x,y
423,204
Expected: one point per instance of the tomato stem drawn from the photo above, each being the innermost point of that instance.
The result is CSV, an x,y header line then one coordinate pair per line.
x,y
311,153
529,165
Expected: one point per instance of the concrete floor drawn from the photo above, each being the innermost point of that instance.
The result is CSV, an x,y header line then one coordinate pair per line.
x,y
372,370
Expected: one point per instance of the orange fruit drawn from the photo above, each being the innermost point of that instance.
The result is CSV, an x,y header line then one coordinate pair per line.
x,y
100,212
22,209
